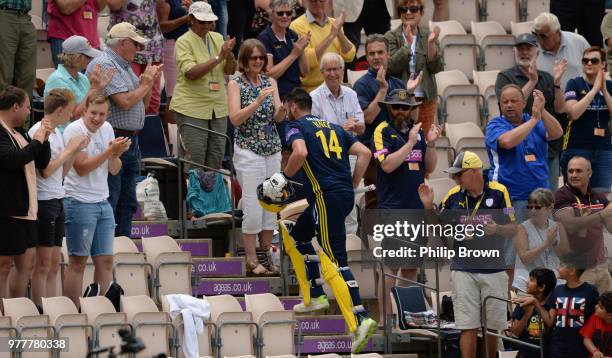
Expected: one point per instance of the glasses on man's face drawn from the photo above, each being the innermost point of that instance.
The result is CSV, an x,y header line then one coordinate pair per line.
x,y
332,69
400,107
284,13
255,58
592,60
542,36
405,9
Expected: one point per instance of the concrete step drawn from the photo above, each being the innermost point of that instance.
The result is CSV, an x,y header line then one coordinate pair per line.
x,y
218,267
238,286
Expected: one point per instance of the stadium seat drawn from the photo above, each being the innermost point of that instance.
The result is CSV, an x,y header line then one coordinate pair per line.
x,y
43,54
485,80
518,28
496,46
44,73
460,99
445,155
130,269
106,321
502,11
69,324
37,22
234,327
486,84
276,325
28,322
508,354
171,264
353,76
533,8
416,304
440,187
456,131
459,50
205,347
6,331
153,327
464,11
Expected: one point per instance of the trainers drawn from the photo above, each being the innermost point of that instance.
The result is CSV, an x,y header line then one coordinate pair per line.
x,y
362,334
316,304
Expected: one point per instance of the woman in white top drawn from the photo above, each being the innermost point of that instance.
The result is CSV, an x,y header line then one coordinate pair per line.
x,y
59,106
90,224
539,241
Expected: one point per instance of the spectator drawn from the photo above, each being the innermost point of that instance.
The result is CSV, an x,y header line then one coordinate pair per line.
x,y
76,55
326,36
70,18
598,328
526,322
90,225
200,93
254,106
539,241
371,89
339,105
20,155
414,49
59,106
239,23
584,214
516,144
584,16
606,32
588,104
129,95
557,45
568,308
219,7
369,15
473,280
403,161
527,76
143,15
18,56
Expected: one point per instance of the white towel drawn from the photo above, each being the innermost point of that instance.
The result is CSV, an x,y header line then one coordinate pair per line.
x,y
194,312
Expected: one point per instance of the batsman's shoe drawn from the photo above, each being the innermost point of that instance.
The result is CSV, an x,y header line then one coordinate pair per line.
x,y
316,304
363,334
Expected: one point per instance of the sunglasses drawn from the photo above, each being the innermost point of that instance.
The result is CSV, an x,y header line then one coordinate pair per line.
x,y
284,13
540,35
534,207
405,9
255,58
594,60
400,107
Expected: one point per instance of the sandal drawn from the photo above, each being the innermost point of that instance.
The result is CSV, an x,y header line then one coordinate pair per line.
x,y
254,268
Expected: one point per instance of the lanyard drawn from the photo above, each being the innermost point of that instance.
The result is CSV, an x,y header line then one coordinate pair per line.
x,y
332,104
596,101
580,204
471,216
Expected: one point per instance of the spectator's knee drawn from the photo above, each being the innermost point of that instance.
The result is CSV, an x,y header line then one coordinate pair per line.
x,y
77,264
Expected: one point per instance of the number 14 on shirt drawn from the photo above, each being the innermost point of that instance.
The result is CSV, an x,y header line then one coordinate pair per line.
x,y
333,145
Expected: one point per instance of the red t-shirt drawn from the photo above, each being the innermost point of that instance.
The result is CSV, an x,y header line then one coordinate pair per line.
x,y
600,333
83,22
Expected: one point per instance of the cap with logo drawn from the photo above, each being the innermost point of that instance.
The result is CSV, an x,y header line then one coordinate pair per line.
x,y
465,160
202,11
526,38
402,97
125,30
79,45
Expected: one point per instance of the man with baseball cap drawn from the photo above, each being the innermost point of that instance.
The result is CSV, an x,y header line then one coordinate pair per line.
x,y
402,158
528,77
475,201
129,96
79,45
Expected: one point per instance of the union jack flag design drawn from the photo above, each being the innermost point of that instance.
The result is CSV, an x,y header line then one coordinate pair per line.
x,y
570,312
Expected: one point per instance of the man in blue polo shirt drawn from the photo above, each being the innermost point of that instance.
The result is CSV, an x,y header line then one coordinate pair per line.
x,y
372,88
517,144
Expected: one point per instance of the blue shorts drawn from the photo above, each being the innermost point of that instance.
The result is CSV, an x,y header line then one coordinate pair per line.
x,y
90,228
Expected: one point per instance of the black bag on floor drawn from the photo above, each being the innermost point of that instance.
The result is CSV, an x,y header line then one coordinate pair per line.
x,y
113,293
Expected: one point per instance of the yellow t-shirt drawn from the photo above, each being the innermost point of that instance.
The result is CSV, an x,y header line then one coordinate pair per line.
x,y
194,98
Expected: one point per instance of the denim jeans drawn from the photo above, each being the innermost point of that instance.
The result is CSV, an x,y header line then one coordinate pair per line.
x,y
56,49
90,228
122,189
601,163
219,7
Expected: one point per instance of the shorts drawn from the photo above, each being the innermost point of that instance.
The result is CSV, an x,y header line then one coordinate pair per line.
x,y
90,228
18,235
470,290
50,222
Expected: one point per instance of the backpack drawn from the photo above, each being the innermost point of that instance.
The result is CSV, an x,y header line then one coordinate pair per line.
x,y
113,293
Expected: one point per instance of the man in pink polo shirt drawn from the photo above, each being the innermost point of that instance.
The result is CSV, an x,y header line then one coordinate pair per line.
x,y
73,17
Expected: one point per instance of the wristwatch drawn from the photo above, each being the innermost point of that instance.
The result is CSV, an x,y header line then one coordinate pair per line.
x,y
217,59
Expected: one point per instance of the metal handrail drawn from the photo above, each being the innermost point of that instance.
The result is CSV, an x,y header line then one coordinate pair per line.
x,y
182,209
485,332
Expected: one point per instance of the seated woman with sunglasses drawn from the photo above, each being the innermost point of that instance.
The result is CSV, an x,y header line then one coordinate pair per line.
x,y
254,106
539,241
413,49
588,104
